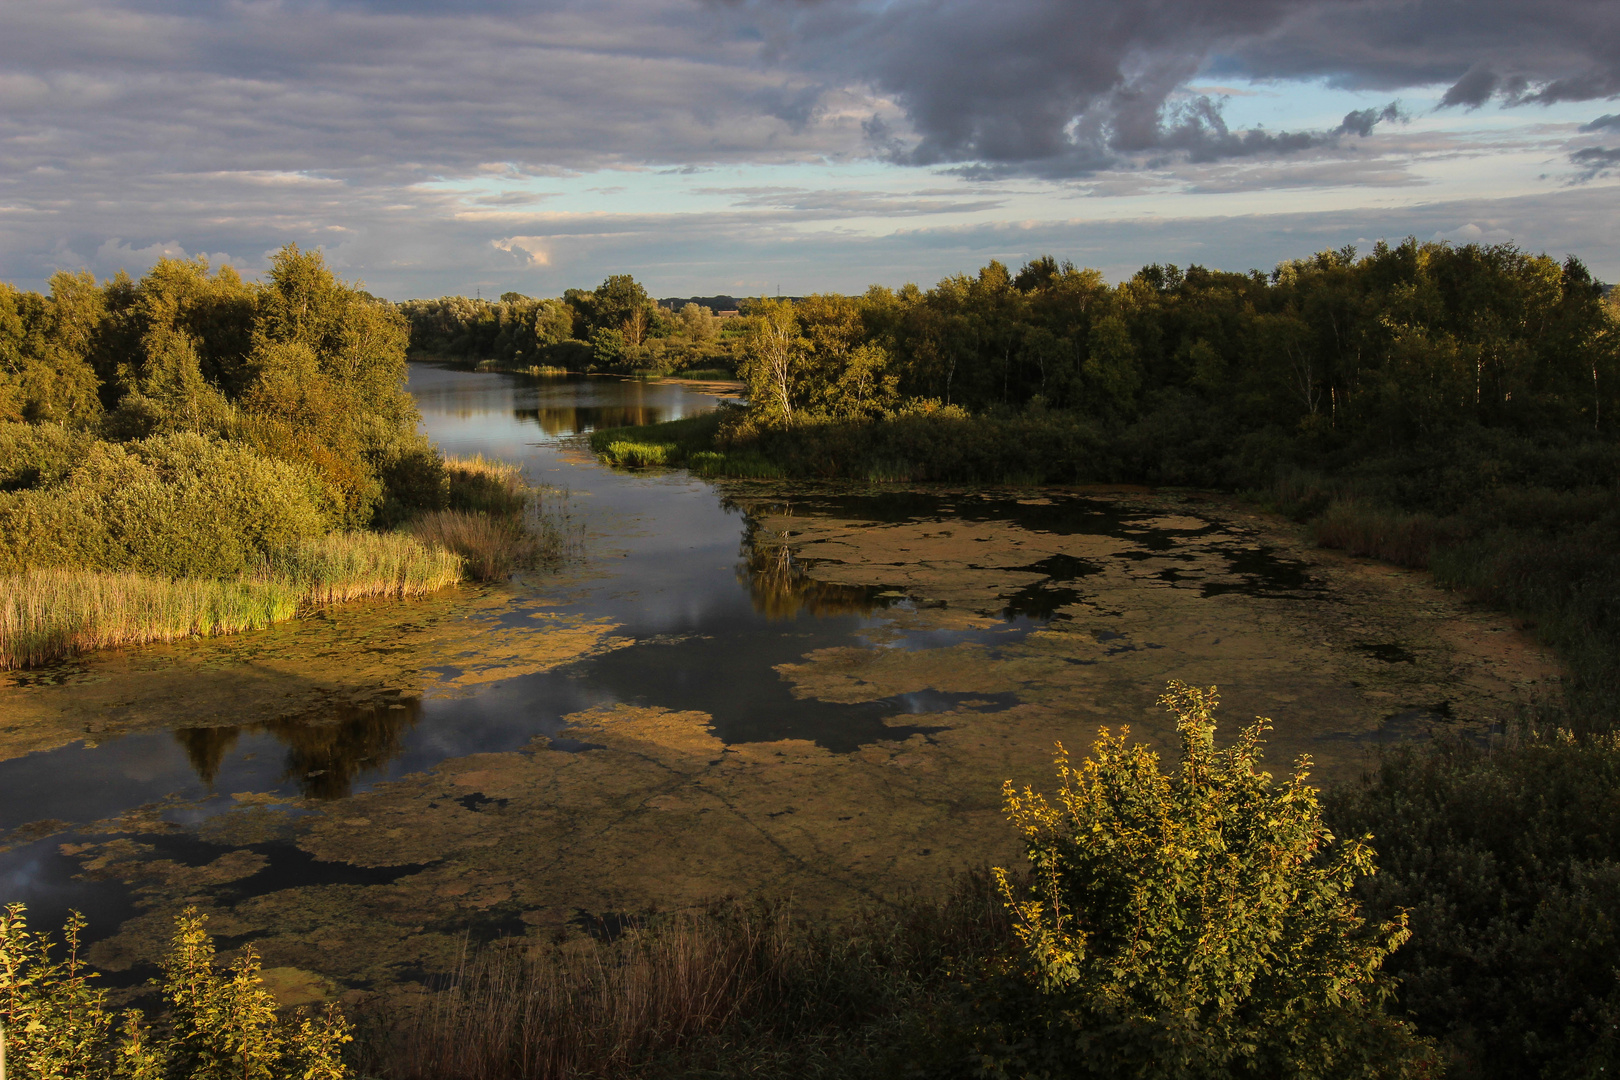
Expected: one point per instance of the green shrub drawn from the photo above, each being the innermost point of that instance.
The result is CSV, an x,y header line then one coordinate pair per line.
x,y
220,1026
180,504
1198,923
39,455
1508,859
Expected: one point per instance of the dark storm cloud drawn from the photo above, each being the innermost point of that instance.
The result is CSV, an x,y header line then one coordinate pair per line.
x,y
133,128
1068,86
1594,161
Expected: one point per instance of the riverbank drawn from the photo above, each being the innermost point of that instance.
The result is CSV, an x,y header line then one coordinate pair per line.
x,y
1529,527
493,523
753,688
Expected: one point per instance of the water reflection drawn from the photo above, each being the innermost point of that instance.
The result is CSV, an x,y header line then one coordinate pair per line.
x,y
324,759
571,420
780,587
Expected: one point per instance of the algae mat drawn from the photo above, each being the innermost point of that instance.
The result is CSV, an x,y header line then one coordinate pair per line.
x,y
987,625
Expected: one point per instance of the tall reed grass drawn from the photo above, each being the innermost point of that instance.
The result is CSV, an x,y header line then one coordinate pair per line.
x,y
1363,528
732,990
48,614
352,565
484,485
539,531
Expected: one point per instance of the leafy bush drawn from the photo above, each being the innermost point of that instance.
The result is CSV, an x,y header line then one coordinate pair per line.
x,y
1508,859
39,455
181,504
220,1026
1198,923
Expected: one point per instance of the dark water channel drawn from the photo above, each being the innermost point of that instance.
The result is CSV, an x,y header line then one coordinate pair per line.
x,y
711,616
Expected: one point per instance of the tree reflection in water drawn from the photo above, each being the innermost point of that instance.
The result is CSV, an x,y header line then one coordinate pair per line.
x,y
324,757
780,587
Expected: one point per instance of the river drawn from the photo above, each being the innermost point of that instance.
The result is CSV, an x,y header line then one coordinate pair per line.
x,y
809,689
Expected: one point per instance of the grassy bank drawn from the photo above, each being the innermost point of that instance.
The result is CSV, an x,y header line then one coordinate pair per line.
x,y
498,524
51,613
1528,525
1543,546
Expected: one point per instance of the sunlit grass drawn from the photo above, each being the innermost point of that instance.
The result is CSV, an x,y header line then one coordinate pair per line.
x,y
352,565
485,485
48,614
497,524
492,546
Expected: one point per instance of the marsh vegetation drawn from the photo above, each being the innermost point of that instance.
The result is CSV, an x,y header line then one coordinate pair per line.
x,y
1444,409
192,455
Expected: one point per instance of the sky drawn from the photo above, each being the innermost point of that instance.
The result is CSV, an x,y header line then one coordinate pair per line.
x,y
749,147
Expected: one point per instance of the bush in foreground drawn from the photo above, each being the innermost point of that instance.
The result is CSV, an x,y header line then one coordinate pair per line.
x,y
1508,858
1199,923
218,1025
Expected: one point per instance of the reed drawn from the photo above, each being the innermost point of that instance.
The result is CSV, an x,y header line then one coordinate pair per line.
x,y
483,485
48,614
733,989
351,565
1362,528
640,454
489,546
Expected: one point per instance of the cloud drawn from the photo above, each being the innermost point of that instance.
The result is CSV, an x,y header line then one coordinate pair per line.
x,y
135,128
1054,87
1362,121
532,250
1603,122
1594,161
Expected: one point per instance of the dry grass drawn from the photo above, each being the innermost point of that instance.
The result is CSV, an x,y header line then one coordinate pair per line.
x,y
591,1008
1364,529
541,531
48,614
484,485
490,546
733,990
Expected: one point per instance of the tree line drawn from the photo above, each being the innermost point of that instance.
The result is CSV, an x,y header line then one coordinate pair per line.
x,y
1404,343
614,327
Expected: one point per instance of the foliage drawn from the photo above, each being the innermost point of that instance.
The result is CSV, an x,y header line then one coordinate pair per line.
x,y
220,1026
614,327
305,369
1199,923
1508,858
55,1022
177,504
46,614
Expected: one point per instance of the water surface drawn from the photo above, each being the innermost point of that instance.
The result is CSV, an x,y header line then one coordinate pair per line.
x,y
817,686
